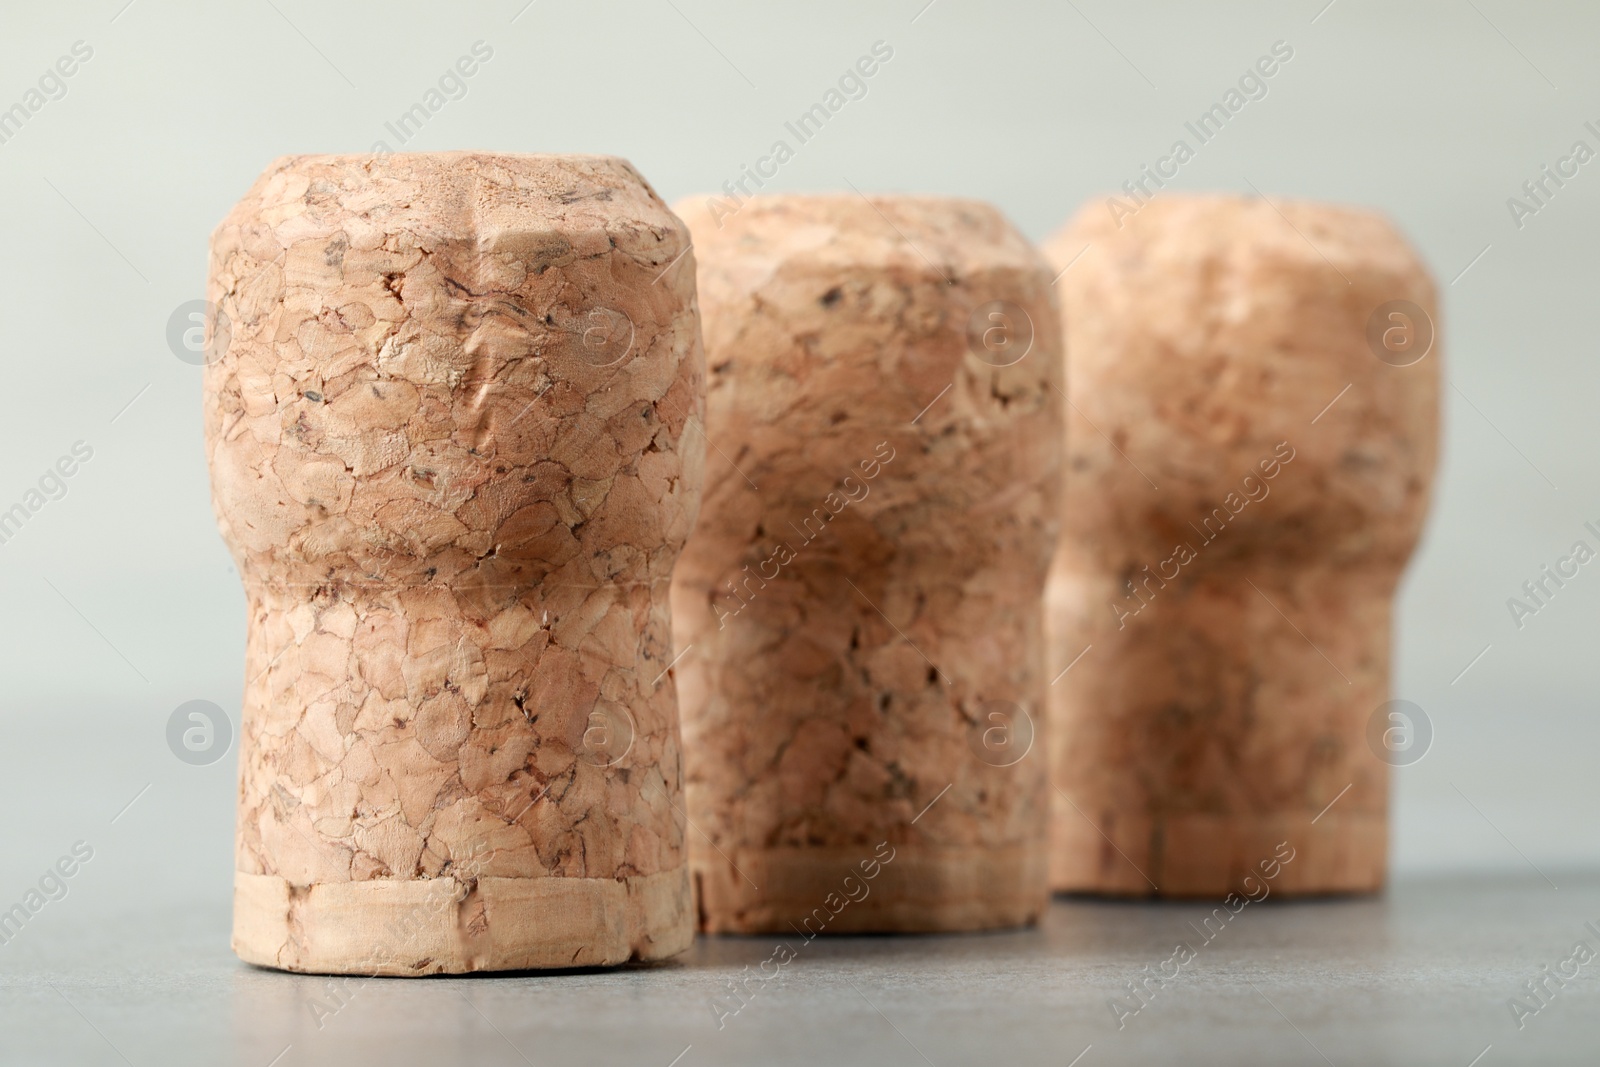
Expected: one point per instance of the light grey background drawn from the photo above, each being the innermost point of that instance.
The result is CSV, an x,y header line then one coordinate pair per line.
x,y
119,599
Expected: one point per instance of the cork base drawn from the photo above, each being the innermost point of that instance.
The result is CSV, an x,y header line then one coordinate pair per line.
x,y
921,889
440,926
1209,856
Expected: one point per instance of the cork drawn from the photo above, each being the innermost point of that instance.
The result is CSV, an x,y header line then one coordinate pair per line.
x,y
860,610
448,451
1253,435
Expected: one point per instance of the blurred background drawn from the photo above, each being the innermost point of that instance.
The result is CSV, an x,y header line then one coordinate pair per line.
x,y
120,603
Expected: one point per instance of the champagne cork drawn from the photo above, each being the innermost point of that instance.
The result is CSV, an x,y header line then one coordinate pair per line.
x,y
1254,430
860,609
448,452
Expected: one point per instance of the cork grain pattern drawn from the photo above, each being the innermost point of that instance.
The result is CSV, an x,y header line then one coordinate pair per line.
x,y
448,452
866,574
1235,655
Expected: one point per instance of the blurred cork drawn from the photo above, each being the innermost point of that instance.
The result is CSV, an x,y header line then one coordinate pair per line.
x,y
448,452
860,608
1256,391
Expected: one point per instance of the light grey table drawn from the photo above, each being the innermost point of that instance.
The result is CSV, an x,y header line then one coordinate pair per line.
x,y
1422,975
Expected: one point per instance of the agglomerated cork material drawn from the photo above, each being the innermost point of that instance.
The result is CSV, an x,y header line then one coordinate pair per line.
x,y
448,451
1246,479
860,608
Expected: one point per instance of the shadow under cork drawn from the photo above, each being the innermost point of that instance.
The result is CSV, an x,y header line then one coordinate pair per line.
x,y
631,966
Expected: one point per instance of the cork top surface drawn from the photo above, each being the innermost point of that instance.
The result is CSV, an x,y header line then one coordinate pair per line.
x,y
1178,227
484,199
833,230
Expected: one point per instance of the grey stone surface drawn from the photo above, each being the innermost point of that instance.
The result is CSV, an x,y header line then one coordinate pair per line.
x,y
1419,976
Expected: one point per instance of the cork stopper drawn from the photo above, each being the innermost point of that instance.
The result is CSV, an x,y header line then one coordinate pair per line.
x,y
448,452
860,609
1254,431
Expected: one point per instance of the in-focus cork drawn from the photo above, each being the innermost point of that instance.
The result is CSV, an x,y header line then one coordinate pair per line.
x,y
448,451
860,608
1255,425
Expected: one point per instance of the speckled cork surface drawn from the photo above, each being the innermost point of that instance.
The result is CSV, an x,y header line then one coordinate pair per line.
x,y
1246,480
860,606
448,451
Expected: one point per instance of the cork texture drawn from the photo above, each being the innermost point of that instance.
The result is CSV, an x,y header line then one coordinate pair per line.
x,y
860,608
1246,480
448,450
